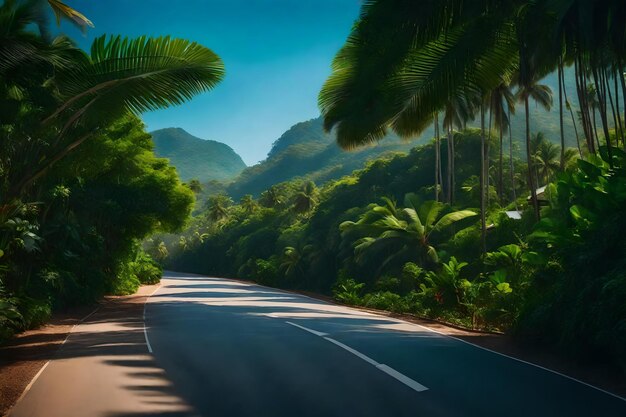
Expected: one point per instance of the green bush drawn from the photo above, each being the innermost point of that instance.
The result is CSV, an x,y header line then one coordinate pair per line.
x,y
146,270
347,290
386,300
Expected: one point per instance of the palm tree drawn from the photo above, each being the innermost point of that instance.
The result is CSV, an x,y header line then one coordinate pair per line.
x,y
195,186
217,207
401,64
501,105
546,158
400,233
248,204
593,104
542,95
271,198
457,112
306,198
294,259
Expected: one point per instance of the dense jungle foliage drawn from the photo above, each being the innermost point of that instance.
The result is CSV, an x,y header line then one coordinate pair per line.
x,y
459,229
80,186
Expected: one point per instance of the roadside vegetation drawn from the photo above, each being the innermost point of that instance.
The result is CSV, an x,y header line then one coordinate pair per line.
x,y
80,186
479,228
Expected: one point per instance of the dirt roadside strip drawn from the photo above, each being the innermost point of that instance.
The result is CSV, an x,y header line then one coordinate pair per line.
x,y
22,358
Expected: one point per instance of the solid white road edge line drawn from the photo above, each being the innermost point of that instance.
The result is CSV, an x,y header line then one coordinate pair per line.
x,y
521,361
306,329
45,365
145,331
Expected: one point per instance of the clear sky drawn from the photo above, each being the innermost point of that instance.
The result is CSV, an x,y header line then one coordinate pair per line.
x,y
277,54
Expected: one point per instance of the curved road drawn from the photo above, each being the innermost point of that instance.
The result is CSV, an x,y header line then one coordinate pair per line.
x,y
217,347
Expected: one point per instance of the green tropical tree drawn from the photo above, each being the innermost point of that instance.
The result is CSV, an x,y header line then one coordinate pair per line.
x,y
217,207
401,64
195,186
305,199
271,198
248,204
401,233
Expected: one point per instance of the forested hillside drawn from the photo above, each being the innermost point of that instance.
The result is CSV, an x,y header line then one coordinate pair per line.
x,y
196,158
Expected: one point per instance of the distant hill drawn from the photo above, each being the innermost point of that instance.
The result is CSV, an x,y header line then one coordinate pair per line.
x,y
305,150
193,157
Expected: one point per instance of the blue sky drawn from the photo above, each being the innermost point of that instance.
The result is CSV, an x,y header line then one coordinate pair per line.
x,y
277,54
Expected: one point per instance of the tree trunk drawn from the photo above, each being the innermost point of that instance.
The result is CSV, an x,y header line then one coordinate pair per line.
x,y
571,112
501,167
600,86
617,111
560,75
483,224
437,158
531,182
449,173
511,165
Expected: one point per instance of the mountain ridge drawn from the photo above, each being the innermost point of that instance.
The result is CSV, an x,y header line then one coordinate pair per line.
x,y
197,158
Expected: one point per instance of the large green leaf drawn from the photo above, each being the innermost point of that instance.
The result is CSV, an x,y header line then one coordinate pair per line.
x,y
452,218
136,75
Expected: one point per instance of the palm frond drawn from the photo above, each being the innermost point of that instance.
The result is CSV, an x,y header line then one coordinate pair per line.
x,y
136,75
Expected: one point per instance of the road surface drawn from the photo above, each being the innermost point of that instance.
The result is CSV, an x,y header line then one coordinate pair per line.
x,y
217,347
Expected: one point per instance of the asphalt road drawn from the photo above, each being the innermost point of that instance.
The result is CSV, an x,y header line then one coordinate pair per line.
x,y
217,347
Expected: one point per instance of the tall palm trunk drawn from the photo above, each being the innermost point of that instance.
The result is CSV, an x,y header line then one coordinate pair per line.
x,y
531,182
600,93
581,90
511,165
571,112
483,221
501,167
617,110
437,157
453,160
486,156
450,162
560,76
609,97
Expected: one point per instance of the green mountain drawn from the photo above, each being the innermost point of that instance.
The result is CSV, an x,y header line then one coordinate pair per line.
x,y
197,158
305,150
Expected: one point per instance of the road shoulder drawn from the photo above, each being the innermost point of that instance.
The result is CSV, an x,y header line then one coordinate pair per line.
x,y
23,357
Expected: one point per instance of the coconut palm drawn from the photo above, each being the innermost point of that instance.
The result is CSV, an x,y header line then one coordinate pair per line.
x,y
248,204
501,105
542,95
402,63
306,198
217,207
401,233
546,158
271,197
457,112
